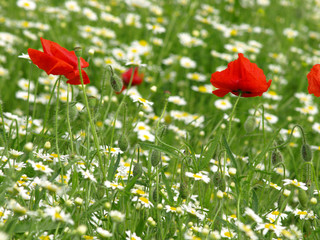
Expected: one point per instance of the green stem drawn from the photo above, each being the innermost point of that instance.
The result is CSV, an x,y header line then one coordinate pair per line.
x,y
4,131
231,116
290,136
46,116
93,129
68,120
56,126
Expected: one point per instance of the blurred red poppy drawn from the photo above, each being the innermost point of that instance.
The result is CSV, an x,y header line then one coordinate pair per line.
x,y
136,80
57,60
241,76
314,80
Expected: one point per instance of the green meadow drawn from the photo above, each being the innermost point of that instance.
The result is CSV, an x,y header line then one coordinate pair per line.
x,y
168,119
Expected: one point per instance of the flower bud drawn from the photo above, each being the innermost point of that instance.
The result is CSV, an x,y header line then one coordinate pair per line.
x,y
306,152
156,196
123,142
303,198
78,51
184,192
137,170
78,201
276,157
250,124
220,194
82,229
28,147
116,83
107,205
162,130
155,157
47,145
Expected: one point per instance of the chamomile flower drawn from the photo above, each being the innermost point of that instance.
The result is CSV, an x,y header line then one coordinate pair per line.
x,y
104,233
295,183
198,176
113,185
207,88
57,214
132,236
198,77
72,6
88,175
274,215
249,212
39,166
304,214
143,101
141,126
146,136
117,216
177,100
223,104
27,4
187,62
172,209
266,227
290,33
143,200
227,233
247,230
24,84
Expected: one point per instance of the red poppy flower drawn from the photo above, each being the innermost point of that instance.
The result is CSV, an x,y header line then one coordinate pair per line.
x,y
57,60
241,76
136,80
314,80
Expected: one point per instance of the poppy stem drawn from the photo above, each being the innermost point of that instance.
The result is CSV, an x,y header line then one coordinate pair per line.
x,y
93,129
68,120
231,116
56,127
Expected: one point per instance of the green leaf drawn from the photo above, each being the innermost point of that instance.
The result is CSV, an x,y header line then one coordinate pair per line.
x,y
168,187
130,184
160,148
225,143
212,146
255,202
24,226
113,168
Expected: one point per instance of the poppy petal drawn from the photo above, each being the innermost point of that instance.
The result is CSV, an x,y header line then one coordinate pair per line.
x,y
314,80
221,92
54,49
74,78
240,76
49,64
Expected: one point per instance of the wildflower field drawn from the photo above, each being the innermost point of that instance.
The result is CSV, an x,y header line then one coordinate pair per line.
x,y
167,119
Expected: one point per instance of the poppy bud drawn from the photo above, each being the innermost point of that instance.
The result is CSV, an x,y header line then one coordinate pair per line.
x,y
156,196
116,83
137,170
276,157
78,51
93,102
184,192
123,142
250,124
162,130
155,157
303,198
306,152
